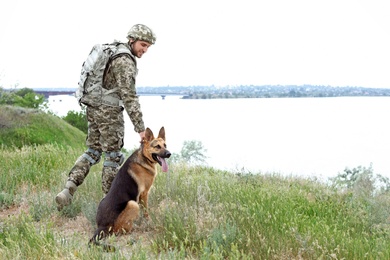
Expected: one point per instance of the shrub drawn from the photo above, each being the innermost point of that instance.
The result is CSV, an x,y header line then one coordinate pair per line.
x,y
192,152
77,119
24,97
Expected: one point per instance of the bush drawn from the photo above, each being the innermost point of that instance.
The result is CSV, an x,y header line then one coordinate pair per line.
x,y
368,191
24,97
78,120
362,180
192,152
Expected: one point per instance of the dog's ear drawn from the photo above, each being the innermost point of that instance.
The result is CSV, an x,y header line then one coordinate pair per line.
x,y
148,135
161,134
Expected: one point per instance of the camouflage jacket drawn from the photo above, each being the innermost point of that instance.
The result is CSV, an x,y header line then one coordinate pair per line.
x,y
121,74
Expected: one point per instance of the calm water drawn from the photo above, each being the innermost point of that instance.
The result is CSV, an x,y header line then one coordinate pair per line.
x,y
306,136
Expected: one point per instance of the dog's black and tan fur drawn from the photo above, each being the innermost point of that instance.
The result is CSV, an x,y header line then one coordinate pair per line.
x,y
130,187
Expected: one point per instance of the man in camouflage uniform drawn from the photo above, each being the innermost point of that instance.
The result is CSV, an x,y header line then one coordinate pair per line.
x,y
106,123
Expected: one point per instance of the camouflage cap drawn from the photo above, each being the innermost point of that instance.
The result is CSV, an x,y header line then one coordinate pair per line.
x,y
141,32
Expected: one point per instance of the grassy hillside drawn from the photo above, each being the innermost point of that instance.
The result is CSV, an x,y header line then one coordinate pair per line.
x,y
195,212
23,126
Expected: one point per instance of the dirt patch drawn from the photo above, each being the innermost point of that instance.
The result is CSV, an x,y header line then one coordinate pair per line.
x,y
80,229
13,211
69,226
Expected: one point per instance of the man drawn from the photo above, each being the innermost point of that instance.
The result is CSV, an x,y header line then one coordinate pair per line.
x,y
106,123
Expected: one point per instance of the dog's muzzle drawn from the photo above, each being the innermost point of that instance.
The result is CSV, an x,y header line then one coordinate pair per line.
x,y
161,160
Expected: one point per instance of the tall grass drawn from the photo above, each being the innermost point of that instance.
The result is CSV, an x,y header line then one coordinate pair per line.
x,y
196,213
265,215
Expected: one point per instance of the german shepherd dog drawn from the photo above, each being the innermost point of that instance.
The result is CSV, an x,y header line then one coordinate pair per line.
x,y
130,187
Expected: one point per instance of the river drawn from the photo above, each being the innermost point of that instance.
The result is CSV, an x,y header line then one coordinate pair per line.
x,y
317,137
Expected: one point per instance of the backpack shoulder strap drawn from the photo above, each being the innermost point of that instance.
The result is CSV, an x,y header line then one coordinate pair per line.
x,y
122,49
118,49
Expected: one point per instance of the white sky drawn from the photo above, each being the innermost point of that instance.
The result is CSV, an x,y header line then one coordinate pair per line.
x,y
202,42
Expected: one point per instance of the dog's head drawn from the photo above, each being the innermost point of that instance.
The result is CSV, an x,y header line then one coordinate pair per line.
x,y
155,149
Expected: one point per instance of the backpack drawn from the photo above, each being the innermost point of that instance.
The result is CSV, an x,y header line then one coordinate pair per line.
x,y
90,87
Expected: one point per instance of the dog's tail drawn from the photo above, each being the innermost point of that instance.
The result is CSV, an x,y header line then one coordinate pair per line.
x,y
101,233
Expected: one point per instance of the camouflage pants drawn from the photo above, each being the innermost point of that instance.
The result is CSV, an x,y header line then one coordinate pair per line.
x,y
105,134
106,128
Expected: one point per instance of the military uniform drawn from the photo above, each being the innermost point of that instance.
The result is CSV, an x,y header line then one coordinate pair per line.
x,y
105,121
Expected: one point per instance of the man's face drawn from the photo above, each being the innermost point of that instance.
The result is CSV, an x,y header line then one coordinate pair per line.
x,y
140,47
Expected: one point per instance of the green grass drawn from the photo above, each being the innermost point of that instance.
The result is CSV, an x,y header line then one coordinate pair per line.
x,y
195,213
24,126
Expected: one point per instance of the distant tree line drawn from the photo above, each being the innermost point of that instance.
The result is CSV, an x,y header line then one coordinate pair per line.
x,y
210,92
292,91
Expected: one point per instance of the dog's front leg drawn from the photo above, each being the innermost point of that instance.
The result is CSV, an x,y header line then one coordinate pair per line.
x,y
143,201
